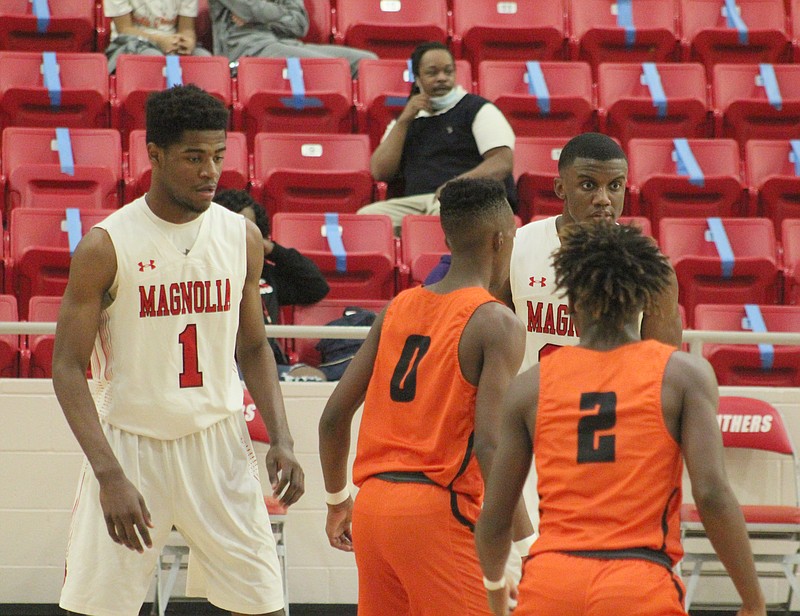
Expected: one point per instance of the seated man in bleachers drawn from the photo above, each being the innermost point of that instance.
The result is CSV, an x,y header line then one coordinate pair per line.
x,y
288,278
442,133
271,29
150,28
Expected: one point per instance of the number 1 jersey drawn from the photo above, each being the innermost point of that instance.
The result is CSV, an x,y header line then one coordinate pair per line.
x,y
163,363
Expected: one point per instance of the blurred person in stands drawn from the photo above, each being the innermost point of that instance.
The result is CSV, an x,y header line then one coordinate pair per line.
x,y
442,133
152,28
162,296
287,278
271,29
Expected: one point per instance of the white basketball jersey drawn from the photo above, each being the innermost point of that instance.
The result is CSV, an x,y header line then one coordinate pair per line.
x,y
163,362
544,312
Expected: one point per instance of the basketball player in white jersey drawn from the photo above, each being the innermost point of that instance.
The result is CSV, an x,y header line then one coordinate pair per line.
x,y
164,296
592,173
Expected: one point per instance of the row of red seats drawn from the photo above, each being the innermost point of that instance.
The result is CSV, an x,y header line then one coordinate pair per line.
x,y
594,30
742,101
375,266
330,172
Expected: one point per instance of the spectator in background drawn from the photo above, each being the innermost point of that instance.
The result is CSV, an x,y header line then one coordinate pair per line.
x,y
442,133
151,28
271,29
288,278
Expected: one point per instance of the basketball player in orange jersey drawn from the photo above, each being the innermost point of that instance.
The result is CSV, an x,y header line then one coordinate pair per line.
x,y
608,422
162,294
433,370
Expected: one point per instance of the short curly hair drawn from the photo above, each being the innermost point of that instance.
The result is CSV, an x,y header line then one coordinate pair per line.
x,y
609,271
172,111
238,200
595,146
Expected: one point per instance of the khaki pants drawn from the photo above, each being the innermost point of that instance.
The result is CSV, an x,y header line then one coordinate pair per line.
x,y
402,206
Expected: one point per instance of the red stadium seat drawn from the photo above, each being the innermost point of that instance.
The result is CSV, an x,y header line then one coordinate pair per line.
x,y
323,313
390,28
660,187
311,173
266,103
9,343
535,169
628,107
383,89
598,32
367,271
234,169
66,25
319,21
774,523
78,99
39,360
37,177
748,365
38,259
711,38
790,241
565,109
773,179
422,245
742,107
520,30
702,277
138,76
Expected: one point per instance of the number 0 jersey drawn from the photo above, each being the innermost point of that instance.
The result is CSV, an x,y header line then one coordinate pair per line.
x,y
163,362
419,412
545,313
609,472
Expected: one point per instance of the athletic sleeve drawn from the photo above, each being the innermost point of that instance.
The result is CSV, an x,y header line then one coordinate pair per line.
x,y
117,8
188,8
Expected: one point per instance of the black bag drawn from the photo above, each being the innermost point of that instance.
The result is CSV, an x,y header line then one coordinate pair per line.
x,y
336,353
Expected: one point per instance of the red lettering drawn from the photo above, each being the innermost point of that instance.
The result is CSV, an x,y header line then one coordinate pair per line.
x,y
147,302
163,304
549,321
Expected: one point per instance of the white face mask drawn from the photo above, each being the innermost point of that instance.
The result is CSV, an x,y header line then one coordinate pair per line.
x,y
442,102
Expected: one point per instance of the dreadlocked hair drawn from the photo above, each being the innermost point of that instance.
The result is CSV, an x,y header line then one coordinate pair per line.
x,y
609,271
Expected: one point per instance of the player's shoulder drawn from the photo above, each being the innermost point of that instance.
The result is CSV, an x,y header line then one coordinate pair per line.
x,y
688,370
497,320
534,229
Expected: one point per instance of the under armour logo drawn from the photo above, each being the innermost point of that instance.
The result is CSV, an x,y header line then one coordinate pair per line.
x,y
534,282
151,265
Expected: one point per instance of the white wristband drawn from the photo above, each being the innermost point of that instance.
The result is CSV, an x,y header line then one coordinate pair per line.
x,y
337,498
489,585
523,546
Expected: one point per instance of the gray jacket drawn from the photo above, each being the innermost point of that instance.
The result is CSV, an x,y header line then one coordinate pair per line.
x,y
268,21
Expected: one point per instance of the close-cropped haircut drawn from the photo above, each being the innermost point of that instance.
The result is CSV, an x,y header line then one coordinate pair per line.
x,y
467,203
421,50
594,146
172,111
609,271
238,200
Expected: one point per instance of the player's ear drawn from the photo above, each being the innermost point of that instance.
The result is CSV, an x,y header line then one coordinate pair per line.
x,y
498,239
558,187
154,153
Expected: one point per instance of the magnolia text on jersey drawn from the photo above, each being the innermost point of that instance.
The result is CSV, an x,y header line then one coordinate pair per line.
x,y
550,319
744,423
193,296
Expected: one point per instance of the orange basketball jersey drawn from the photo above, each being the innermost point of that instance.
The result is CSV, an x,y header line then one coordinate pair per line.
x,y
419,412
609,472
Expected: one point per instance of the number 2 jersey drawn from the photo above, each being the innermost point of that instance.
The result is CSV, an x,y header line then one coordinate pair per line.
x,y
163,362
545,313
609,472
419,411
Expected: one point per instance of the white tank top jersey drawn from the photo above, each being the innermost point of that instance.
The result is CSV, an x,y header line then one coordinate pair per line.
x,y
544,312
163,362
